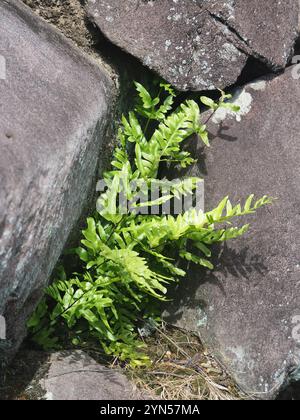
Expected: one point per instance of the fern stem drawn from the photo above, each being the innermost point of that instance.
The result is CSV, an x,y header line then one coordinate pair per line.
x,y
149,119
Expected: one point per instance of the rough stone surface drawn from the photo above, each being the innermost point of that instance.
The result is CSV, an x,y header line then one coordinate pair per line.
x,y
248,309
198,45
267,30
76,376
54,107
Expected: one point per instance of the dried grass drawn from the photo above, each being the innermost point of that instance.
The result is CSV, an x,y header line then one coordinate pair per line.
x,y
183,370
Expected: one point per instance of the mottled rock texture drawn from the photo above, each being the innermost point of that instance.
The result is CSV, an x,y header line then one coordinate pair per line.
x,y
248,309
200,45
54,108
267,30
73,375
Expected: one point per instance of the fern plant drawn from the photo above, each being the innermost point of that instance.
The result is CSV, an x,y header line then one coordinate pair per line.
x,y
129,259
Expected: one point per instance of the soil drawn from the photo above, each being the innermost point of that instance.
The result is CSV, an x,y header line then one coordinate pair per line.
x,y
70,17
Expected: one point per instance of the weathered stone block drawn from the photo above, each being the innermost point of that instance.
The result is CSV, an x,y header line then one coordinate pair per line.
x,y
200,45
248,309
54,109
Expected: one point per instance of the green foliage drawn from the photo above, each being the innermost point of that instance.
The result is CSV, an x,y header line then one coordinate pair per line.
x,y
129,259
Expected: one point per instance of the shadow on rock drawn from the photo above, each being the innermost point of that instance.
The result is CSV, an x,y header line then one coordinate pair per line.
x,y
187,294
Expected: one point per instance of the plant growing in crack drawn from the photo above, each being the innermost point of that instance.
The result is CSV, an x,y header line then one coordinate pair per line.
x,y
128,259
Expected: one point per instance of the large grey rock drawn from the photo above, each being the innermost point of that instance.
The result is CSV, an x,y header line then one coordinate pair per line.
x,y
73,375
248,309
55,105
66,375
198,45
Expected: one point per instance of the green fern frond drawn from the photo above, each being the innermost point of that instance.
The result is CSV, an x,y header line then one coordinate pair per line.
x,y
129,259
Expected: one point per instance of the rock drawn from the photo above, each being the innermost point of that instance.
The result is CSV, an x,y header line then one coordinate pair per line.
x,y
248,310
55,106
66,375
266,30
73,375
200,45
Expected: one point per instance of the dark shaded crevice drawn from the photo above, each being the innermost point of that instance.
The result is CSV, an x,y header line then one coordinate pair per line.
x,y
122,62
253,70
28,364
127,67
297,46
292,392
295,55
2,226
291,388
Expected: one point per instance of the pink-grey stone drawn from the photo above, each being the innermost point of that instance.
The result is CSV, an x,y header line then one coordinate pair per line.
x,y
54,108
74,375
200,44
248,309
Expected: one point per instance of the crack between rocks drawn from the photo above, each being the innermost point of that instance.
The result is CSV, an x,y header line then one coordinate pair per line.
x,y
230,28
249,51
71,372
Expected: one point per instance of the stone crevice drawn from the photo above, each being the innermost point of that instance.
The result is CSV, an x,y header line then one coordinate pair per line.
x,y
232,30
